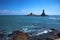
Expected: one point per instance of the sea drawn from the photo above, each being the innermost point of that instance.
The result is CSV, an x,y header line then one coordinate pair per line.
x,y
10,23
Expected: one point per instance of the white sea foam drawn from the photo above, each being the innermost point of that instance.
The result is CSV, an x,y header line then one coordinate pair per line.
x,y
45,31
40,33
26,30
54,18
9,33
58,18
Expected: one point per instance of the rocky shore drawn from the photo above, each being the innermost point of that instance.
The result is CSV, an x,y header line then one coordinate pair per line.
x,y
51,34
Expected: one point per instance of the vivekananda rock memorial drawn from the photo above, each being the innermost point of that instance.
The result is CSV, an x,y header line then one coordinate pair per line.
x,y
43,14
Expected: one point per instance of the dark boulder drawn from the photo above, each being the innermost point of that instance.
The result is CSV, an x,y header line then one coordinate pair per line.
x,y
18,35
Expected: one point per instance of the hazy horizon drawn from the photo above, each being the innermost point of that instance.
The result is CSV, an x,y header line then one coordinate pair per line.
x,y
24,7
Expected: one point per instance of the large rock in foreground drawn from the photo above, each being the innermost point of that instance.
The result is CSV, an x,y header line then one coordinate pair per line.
x,y
17,35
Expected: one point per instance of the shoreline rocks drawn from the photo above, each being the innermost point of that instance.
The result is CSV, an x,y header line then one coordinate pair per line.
x,y
18,35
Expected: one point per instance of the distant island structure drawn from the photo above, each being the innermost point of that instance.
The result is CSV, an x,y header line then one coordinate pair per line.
x,y
31,14
43,13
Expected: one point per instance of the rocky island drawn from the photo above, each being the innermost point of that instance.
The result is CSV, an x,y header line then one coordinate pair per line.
x,y
31,14
43,14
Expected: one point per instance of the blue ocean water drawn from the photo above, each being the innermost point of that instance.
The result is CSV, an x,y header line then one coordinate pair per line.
x,y
27,23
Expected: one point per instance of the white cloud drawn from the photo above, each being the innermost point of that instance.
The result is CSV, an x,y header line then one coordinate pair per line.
x,y
4,12
13,12
25,12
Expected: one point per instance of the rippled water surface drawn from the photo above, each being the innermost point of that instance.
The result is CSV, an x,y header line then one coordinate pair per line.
x,y
28,23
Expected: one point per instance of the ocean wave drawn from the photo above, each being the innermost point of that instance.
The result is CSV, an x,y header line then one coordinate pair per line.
x,y
35,32
40,33
58,18
54,18
26,30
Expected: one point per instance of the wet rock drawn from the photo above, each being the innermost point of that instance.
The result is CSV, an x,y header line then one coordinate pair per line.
x,y
53,29
38,38
9,35
49,39
18,35
58,34
2,35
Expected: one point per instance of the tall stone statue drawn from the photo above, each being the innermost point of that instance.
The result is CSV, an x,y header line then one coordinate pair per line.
x,y
43,13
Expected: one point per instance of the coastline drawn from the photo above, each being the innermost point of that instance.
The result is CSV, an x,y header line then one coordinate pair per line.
x,y
49,34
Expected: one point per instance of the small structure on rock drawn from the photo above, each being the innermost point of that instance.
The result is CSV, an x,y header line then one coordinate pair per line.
x,y
43,13
31,14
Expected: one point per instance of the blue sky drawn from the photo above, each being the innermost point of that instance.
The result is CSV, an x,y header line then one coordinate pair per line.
x,y
22,7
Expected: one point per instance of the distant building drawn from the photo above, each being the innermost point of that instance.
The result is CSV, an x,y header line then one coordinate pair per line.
x,y
31,14
43,13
